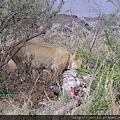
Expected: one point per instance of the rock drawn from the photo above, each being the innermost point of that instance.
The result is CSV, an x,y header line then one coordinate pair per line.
x,y
55,89
69,23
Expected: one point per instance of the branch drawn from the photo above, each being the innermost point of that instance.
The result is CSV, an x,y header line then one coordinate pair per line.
x,y
3,26
28,37
12,46
95,38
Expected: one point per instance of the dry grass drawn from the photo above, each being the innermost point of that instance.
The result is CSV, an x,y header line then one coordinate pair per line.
x,y
40,101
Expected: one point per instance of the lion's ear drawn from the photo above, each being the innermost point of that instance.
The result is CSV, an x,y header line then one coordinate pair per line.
x,y
75,56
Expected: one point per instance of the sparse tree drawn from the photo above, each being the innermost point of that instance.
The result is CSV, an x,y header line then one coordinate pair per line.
x,y
20,21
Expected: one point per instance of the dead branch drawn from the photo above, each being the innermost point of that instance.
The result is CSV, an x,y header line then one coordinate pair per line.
x,y
11,47
6,56
4,23
95,38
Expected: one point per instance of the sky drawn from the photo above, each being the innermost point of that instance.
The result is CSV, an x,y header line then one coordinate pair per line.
x,y
88,7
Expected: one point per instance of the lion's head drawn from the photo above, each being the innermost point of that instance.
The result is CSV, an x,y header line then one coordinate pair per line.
x,y
75,62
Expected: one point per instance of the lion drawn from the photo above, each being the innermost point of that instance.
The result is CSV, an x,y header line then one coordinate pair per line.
x,y
57,59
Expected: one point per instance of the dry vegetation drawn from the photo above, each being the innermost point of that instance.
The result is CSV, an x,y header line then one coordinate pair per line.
x,y
99,50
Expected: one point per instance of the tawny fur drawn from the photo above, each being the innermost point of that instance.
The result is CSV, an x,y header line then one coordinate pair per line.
x,y
55,58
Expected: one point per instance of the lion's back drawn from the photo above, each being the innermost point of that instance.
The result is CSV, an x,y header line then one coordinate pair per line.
x,y
42,56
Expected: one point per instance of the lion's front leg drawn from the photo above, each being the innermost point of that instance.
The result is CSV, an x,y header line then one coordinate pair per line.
x,y
58,65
